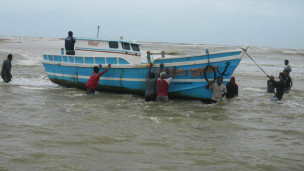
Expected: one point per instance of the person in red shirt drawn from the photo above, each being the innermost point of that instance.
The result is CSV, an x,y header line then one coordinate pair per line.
x,y
94,79
163,86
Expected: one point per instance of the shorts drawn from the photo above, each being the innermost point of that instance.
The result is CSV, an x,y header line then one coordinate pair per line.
x,y
70,53
163,99
90,91
150,98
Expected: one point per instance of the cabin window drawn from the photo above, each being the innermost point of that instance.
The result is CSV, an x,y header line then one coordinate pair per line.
x,y
45,57
123,61
113,44
79,60
57,58
125,46
65,59
135,47
100,60
111,60
71,59
89,60
50,57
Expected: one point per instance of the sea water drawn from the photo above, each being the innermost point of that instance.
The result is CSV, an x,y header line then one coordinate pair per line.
x,y
44,126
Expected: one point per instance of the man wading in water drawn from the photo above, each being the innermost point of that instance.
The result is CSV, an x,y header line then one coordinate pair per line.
x,y
279,85
163,86
219,89
151,80
6,69
232,88
94,79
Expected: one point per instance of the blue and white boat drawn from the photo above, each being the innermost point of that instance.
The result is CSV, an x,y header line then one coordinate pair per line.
x,y
129,68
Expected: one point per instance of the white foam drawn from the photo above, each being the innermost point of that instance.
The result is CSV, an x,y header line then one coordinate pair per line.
x,y
33,83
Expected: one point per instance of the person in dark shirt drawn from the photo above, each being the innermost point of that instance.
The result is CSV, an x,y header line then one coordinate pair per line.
x,y
69,44
6,69
288,81
232,88
270,86
279,85
151,80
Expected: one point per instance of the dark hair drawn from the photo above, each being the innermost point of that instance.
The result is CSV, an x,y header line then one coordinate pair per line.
x,y
9,56
219,77
70,33
151,75
282,74
96,69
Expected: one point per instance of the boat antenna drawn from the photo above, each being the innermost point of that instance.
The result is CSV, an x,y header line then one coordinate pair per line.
x,y
98,31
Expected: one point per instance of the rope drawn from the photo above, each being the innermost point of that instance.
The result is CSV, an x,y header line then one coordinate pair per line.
x,y
245,50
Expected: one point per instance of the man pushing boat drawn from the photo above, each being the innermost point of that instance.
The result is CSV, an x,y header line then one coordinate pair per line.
x,y
94,78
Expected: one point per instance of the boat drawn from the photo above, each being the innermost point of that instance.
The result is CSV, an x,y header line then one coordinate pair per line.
x,y
129,68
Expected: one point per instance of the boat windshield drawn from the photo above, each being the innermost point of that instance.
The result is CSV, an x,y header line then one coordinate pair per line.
x,y
135,47
113,44
125,45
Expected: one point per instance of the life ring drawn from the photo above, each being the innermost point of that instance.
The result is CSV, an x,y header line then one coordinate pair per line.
x,y
205,72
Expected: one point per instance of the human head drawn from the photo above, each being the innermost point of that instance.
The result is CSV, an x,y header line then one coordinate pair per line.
x,y
286,62
282,76
232,79
70,33
163,74
152,75
10,57
96,69
219,80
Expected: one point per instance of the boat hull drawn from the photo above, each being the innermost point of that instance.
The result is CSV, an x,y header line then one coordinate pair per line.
x,y
190,81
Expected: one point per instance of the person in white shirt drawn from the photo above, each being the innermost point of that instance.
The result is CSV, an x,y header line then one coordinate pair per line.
x,y
287,66
219,89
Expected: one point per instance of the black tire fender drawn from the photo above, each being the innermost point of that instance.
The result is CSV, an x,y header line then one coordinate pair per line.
x,y
205,72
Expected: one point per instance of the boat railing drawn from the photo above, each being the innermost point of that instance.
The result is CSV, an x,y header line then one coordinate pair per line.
x,y
85,60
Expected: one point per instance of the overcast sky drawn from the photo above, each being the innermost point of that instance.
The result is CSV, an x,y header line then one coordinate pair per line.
x,y
264,23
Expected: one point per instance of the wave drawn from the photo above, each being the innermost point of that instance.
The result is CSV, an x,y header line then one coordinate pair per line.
x,y
33,83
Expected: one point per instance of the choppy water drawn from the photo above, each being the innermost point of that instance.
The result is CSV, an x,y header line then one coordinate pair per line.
x,y
47,127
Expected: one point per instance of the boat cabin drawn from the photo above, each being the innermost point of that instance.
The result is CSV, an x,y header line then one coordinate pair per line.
x,y
129,51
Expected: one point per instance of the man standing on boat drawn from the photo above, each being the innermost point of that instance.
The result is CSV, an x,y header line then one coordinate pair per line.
x,y
163,86
219,89
6,69
151,80
94,78
69,44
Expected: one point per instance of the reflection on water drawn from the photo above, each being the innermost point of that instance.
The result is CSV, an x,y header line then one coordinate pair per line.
x,y
48,127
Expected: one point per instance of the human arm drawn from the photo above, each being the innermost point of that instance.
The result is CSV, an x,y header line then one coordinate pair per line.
x,y
209,85
160,70
106,70
161,67
8,67
174,72
150,66
224,91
